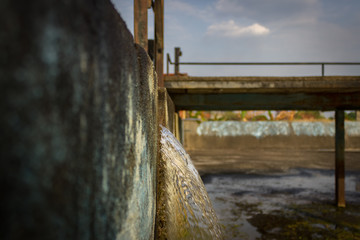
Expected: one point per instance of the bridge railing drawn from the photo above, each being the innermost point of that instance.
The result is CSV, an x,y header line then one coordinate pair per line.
x,y
178,53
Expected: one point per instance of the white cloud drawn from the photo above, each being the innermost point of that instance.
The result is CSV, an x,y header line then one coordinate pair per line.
x,y
269,12
231,30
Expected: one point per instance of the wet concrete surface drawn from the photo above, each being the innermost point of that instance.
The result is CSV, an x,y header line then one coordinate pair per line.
x,y
281,194
268,160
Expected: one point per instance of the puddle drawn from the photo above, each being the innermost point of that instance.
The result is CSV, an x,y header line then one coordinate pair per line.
x,y
291,205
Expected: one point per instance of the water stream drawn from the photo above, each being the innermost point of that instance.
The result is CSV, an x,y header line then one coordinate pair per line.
x,y
186,211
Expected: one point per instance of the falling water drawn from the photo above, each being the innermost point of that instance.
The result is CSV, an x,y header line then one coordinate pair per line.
x,y
185,211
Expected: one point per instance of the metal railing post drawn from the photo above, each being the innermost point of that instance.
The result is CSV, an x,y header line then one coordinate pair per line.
x,y
178,53
322,70
167,63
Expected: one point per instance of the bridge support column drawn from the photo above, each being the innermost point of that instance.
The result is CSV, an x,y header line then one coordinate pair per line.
x,y
141,22
159,40
339,158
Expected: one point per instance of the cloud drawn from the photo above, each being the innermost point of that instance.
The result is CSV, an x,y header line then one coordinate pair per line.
x,y
230,29
274,11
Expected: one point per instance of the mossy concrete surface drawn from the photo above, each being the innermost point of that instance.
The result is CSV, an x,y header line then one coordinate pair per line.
x,y
78,123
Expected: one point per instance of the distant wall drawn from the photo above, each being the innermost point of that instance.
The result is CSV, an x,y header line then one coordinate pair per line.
x,y
267,134
78,123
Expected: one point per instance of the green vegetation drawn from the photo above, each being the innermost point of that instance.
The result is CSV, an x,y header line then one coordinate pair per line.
x,y
263,115
350,116
310,115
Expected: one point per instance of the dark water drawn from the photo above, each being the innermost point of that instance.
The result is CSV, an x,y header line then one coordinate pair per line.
x,y
266,206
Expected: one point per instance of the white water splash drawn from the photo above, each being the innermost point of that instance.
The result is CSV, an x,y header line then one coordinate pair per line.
x,y
188,211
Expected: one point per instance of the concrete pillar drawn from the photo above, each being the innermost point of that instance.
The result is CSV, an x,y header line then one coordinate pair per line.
x,y
339,158
181,130
176,126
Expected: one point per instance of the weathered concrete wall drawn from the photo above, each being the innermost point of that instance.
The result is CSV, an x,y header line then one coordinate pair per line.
x,y
275,135
166,110
78,123
167,116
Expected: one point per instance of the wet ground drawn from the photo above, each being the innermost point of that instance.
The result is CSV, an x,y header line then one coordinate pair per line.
x,y
291,199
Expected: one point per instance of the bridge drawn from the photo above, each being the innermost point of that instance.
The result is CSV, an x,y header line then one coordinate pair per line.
x,y
264,93
336,93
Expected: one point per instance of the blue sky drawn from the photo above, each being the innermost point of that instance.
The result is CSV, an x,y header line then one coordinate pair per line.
x,y
260,31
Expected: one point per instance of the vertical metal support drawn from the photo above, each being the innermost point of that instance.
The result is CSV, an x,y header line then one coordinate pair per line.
x,y
339,158
178,53
322,69
167,63
140,23
181,129
151,50
159,40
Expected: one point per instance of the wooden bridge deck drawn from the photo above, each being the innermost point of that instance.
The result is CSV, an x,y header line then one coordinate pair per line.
x,y
264,93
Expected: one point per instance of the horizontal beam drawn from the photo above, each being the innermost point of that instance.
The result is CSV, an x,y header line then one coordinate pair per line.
x,y
328,84
267,101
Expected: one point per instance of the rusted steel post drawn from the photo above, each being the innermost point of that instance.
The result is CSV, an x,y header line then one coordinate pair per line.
x,y
140,23
167,63
151,50
178,53
339,158
159,40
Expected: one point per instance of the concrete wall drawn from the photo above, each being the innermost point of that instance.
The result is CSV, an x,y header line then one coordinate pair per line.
x,y
78,123
275,135
166,110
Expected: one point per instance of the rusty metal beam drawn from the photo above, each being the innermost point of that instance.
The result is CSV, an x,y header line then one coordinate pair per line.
x,y
141,23
339,158
159,40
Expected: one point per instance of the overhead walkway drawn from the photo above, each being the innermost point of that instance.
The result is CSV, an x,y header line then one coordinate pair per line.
x,y
264,93
336,93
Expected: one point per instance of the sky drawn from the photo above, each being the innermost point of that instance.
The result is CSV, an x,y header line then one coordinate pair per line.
x,y
259,31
